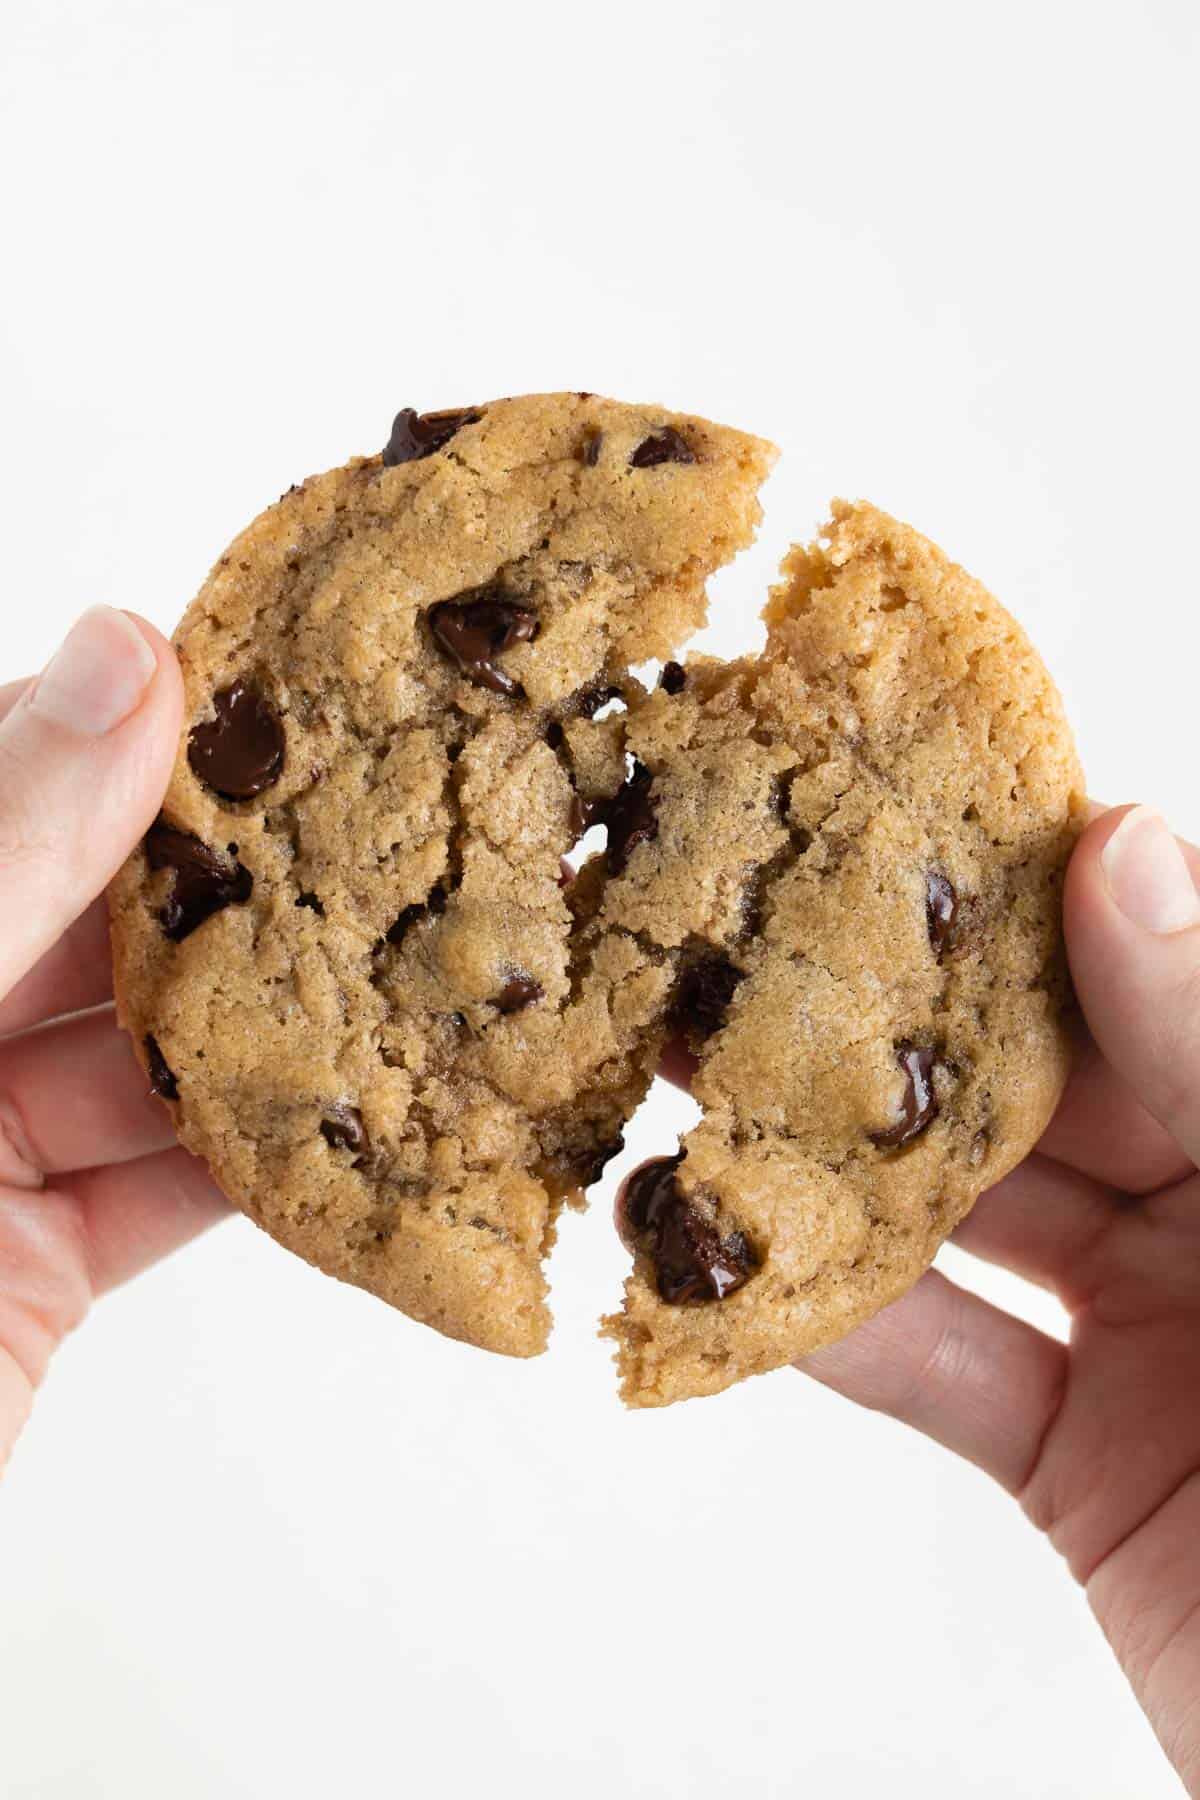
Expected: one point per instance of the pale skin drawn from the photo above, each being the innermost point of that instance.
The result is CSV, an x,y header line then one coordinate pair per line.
x,y
1098,1440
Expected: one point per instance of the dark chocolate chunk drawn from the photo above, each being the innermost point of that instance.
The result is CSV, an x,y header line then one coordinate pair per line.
x,y
665,446
343,1128
239,752
649,1191
416,435
703,995
162,1079
553,735
204,883
475,630
630,818
673,678
941,910
518,992
590,699
692,1261
918,1106
590,451
312,903
628,814
435,903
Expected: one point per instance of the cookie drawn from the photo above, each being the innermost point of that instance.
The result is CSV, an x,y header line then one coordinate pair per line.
x,y
345,952
858,847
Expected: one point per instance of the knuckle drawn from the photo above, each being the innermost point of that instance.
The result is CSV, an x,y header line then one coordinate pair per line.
x,y
942,1370
27,836
20,1164
47,1289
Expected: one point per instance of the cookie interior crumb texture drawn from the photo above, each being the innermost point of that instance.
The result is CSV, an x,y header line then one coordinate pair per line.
x,y
348,960
345,952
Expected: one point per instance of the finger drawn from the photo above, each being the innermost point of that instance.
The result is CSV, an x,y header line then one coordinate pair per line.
x,y
72,1096
85,755
74,974
940,1359
1047,1223
1132,915
10,693
134,1215
1102,1130
61,1248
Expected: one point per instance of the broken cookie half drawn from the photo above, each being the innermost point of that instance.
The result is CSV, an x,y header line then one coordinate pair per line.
x,y
345,951
861,837
351,966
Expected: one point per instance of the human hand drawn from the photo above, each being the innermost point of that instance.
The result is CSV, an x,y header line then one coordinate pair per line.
x,y
92,1185
1098,1440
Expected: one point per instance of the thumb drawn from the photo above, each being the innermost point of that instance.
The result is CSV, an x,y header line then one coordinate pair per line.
x,y
1132,916
85,756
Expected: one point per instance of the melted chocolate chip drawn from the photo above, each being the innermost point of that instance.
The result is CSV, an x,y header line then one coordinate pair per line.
x,y
239,752
673,678
704,993
162,1079
665,446
590,452
416,435
590,699
435,904
204,884
518,992
941,911
692,1261
471,632
630,818
628,814
553,735
312,903
918,1105
649,1192
343,1128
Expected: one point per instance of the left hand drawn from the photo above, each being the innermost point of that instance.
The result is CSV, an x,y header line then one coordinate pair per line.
x,y
92,1184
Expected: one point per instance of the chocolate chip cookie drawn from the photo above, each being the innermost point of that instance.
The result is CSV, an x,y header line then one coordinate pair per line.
x,y
345,951
854,865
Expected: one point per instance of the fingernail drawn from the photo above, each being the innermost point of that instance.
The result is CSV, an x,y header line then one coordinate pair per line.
x,y
98,676
1147,875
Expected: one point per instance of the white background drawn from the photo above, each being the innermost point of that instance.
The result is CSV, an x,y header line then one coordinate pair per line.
x,y
264,1537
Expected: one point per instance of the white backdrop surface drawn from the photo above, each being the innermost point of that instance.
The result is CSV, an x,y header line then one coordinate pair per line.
x,y
264,1537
